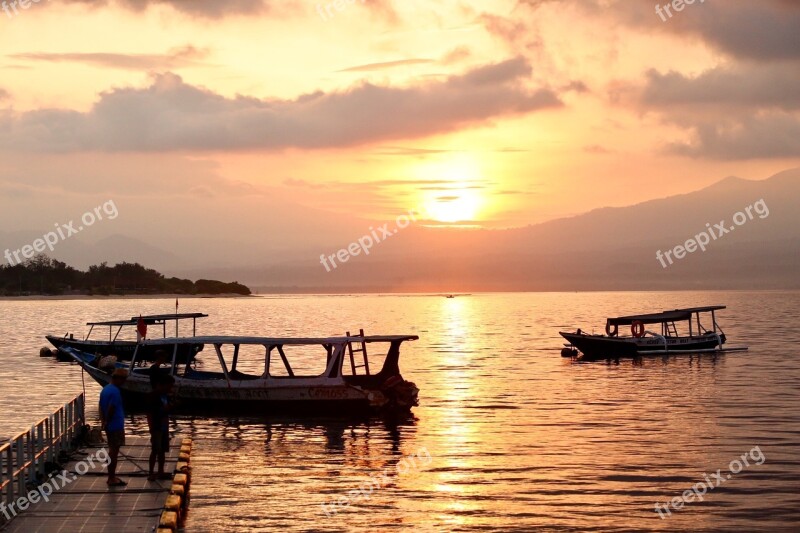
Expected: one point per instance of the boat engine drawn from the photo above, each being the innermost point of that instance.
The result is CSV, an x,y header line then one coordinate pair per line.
x,y
400,392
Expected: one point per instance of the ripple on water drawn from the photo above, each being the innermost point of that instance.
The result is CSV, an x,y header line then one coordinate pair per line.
x,y
518,437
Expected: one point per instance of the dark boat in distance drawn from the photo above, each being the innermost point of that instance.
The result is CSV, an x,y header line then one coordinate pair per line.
x,y
645,342
124,349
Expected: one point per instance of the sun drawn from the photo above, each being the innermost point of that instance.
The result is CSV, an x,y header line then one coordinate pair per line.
x,y
453,206
456,194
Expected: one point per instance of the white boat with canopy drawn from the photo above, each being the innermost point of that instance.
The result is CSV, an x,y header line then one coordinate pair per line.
x,y
273,374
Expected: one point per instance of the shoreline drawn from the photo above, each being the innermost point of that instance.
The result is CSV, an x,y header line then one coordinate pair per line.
x,y
68,297
45,297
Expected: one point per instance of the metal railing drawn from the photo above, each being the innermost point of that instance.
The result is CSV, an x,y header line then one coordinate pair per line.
x,y
23,458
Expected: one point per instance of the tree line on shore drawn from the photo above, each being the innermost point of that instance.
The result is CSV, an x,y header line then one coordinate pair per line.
x,y
46,276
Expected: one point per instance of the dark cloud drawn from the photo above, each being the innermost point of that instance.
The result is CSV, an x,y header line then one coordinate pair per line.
x,y
745,111
171,115
743,86
763,30
775,135
745,29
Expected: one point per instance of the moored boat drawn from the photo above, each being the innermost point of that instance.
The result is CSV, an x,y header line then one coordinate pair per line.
x,y
696,338
123,349
271,374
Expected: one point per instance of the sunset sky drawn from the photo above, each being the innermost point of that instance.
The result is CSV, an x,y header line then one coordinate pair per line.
x,y
223,117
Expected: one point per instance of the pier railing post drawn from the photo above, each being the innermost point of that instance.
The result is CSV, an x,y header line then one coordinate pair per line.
x,y
20,452
9,457
70,422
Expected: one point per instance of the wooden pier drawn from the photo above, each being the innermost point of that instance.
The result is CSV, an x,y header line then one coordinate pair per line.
x,y
78,498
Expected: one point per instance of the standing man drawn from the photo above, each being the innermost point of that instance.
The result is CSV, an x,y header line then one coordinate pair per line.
x,y
158,423
155,371
112,418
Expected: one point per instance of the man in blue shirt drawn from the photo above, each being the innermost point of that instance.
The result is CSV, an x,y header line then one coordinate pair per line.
x,y
112,418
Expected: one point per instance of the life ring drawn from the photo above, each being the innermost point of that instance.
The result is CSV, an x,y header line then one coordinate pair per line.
x,y
611,332
637,329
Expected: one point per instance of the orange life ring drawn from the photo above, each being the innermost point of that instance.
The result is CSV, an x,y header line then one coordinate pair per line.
x,y
609,331
637,329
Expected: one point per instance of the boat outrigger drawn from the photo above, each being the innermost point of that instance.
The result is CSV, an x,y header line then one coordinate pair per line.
x,y
256,372
124,349
645,342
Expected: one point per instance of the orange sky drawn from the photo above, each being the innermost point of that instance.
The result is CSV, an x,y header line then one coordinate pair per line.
x,y
496,114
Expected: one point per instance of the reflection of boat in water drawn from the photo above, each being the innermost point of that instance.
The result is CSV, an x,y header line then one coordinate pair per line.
x,y
124,349
271,374
644,342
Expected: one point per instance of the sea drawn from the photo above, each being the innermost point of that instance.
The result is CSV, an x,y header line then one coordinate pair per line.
x,y
508,435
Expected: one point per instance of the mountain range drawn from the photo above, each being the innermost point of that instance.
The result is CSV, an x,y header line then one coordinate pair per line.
x,y
603,249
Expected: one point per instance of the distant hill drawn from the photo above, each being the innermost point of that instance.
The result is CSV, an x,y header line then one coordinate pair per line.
x,y
604,249
43,275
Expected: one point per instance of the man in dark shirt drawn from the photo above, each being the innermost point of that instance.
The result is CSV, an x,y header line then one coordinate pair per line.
x,y
158,423
155,369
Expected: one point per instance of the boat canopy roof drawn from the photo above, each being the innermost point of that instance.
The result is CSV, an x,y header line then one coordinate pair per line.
x,y
280,341
149,319
113,323
665,316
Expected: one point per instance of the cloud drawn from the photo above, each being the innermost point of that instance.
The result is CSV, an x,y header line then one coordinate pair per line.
x,y
763,30
456,55
514,32
596,149
744,111
742,86
416,152
217,9
171,115
386,65
181,57
197,8
775,135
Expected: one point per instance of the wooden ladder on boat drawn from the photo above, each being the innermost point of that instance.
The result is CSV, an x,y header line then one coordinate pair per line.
x,y
354,351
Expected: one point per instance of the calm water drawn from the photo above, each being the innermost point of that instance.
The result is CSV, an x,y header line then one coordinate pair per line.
x,y
519,438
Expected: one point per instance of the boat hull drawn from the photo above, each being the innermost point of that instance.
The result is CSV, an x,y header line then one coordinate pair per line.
x,y
604,347
123,350
313,395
